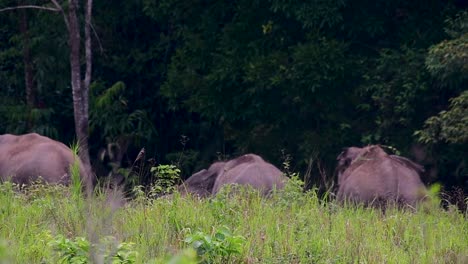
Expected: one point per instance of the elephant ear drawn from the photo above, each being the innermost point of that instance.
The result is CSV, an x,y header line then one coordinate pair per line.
x,y
347,157
342,154
343,163
408,163
200,183
344,159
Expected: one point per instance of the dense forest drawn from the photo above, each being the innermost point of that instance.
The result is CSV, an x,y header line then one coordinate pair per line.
x,y
293,81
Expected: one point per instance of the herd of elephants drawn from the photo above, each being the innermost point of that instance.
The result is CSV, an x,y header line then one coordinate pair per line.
x,y
366,175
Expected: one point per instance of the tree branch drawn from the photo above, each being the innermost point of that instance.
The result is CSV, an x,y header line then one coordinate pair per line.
x,y
97,38
65,18
30,7
88,50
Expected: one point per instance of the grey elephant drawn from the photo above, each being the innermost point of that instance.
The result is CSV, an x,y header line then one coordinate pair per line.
x,y
30,157
370,176
249,169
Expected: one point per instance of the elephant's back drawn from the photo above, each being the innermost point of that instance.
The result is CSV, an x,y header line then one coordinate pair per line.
x,y
44,160
381,178
363,184
25,158
410,188
258,174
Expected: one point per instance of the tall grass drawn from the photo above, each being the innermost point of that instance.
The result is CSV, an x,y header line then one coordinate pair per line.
x,y
289,227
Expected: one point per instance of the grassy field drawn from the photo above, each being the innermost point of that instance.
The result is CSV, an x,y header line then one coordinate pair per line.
x,y
55,225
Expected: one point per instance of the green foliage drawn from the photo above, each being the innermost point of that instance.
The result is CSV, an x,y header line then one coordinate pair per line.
x,y
112,116
19,119
220,246
312,14
244,76
186,160
445,132
294,194
166,179
11,74
457,25
449,126
76,182
39,191
117,253
77,251
293,190
304,231
448,60
48,59
262,74
394,86
74,251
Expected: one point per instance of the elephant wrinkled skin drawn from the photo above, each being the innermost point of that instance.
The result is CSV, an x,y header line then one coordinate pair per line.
x,y
30,157
369,175
249,169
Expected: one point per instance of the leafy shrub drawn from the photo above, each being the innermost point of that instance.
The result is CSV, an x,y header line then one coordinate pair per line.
x,y
77,251
117,253
114,118
71,251
293,190
222,245
167,177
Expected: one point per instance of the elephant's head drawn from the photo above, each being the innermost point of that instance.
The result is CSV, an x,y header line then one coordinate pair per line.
x,y
346,157
202,182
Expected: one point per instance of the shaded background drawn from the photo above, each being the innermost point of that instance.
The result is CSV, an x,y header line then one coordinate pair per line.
x,y
195,81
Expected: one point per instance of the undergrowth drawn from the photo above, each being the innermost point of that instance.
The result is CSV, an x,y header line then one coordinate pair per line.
x,y
47,224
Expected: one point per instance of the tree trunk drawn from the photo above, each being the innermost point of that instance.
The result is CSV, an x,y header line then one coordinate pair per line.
x,y
79,89
28,67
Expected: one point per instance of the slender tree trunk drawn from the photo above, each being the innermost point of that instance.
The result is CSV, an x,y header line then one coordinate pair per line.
x,y
88,50
80,90
87,78
28,65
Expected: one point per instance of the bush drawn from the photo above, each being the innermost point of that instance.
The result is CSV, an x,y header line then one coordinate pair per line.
x,y
220,246
78,250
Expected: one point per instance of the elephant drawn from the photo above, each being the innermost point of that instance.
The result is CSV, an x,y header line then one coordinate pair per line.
x,y
249,169
31,157
370,176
